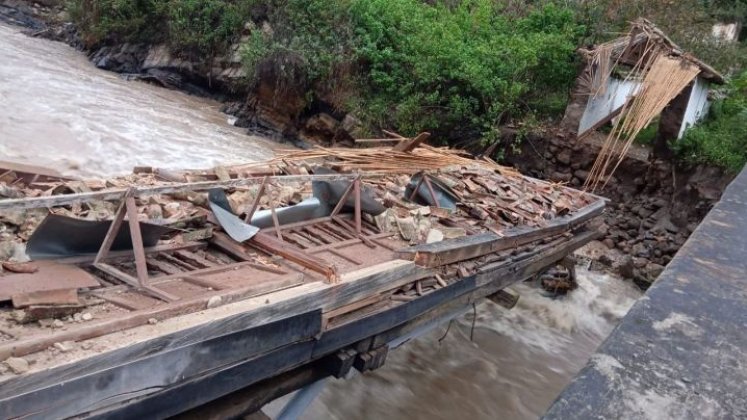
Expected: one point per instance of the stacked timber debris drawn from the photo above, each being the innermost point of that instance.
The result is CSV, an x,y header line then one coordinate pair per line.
x,y
98,265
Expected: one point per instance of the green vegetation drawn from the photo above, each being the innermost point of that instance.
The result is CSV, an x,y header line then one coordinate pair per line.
x,y
722,138
118,20
201,28
461,67
458,68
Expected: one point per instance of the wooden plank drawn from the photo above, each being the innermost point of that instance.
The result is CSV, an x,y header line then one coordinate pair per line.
x,y
605,120
50,275
255,204
195,259
114,256
114,227
118,193
163,266
137,242
409,145
473,246
353,287
132,281
274,246
229,246
153,373
103,327
203,282
46,297
353,306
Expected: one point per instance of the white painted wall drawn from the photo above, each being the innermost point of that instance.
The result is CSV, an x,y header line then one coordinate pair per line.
x,y
618,92
726,31
697,105
602,105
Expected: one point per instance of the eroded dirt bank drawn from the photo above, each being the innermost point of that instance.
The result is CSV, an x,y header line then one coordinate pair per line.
x,y
654,205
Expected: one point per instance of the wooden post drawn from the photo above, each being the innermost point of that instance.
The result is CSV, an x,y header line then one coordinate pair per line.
x,y
255,205
344,198
137,241
357,190
430,189
113,228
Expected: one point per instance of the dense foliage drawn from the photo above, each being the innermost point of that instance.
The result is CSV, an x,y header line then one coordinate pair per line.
x,y
459,67
722,138
689,23
201,28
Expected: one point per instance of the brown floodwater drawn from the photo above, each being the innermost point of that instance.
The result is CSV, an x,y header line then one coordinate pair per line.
x,y
58,110
517,363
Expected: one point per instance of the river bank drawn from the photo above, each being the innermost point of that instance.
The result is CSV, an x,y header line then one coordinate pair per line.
x,y
654,204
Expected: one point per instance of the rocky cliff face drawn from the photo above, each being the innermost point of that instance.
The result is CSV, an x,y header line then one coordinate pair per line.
x,y
654,206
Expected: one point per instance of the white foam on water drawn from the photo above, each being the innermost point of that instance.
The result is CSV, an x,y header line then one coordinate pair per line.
x,y
519,361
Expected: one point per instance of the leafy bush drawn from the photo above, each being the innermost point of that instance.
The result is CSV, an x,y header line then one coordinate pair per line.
x,y
118,20
205,27
462,67
722,138
197,27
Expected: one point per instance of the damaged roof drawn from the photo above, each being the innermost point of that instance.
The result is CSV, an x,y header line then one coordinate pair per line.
x,y
630,48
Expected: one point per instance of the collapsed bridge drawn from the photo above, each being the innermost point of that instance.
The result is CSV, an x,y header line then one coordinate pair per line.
x,y
259,279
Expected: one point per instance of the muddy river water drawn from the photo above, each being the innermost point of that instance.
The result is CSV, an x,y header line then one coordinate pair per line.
x,y
58,110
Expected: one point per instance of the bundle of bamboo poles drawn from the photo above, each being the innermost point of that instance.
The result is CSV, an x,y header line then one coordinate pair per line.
x,y
663,78
385,159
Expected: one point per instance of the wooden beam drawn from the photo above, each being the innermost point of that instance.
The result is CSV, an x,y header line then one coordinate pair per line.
x,y
255,204
599,124
114,227
137,241
273,246
128,255
473,246
409,145
118,193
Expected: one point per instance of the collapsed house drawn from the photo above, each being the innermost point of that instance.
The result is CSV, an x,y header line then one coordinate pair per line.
x,y
159,291
629,82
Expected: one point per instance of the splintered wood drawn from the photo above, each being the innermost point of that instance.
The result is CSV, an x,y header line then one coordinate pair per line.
x,y
384,159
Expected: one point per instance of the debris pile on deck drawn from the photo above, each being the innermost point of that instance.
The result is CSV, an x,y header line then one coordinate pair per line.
x,y
133,251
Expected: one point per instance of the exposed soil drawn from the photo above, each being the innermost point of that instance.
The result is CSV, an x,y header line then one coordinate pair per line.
x,y
654,205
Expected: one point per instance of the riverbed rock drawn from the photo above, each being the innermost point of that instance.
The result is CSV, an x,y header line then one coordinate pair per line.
x,y
214,302
320,128
17,365
653,270
564,157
